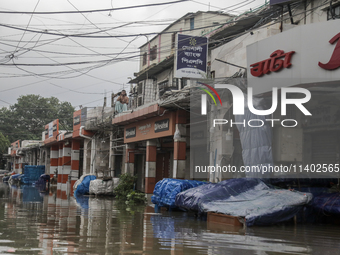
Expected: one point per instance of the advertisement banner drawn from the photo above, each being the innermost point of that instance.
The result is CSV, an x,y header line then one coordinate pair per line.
x,y
191,57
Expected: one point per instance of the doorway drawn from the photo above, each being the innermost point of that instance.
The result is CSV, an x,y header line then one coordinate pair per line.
x,y
162,166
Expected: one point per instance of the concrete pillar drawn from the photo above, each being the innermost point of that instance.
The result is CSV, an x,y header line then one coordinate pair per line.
x,y
150,166
180,146
74,162
93,155
66,162
64,169
130,158
54,158
87,156
60,164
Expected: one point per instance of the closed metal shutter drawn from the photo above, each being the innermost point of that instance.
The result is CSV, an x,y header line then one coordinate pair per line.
x,y
324,148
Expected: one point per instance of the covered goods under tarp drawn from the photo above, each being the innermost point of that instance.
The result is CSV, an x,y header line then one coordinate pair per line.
x,y
32,173
83,187
103,187
327,203
15,178
43,179
250,199
166,190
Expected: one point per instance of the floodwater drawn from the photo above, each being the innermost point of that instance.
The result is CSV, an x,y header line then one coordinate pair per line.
x,y
35,223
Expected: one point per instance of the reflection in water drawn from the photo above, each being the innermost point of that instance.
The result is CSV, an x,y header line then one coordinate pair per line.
x,y
36,223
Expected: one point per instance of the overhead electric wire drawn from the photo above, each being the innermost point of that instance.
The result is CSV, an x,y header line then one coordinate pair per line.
x,y
96,10
27,24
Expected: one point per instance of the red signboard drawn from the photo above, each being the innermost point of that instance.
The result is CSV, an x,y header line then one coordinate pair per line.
x,y
334,62
273,64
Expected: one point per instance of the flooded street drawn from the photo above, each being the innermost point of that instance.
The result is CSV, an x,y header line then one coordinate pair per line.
x,y
35,223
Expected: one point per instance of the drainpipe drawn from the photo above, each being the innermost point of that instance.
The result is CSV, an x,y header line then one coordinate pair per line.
x,y
92,157
81,135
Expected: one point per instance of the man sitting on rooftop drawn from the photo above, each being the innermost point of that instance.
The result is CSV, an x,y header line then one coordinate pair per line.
x,y
122,102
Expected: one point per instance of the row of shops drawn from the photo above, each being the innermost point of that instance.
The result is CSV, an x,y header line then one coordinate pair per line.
x,y
164,134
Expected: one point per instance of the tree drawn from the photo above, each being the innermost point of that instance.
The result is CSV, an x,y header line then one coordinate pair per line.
x,y
4,144
26,119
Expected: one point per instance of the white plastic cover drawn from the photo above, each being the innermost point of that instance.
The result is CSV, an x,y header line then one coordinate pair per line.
x,y
101,187
256,141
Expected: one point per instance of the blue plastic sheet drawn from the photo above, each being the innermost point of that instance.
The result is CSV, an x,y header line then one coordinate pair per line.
x,y
166,190
31,194
84,186
193,198
309,214
32,173
310,182
247,198
43,179
82,201
16,176
327,203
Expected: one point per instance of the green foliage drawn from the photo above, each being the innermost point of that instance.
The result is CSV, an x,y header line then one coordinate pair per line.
x,y
4,144
135,197
26,119
124,191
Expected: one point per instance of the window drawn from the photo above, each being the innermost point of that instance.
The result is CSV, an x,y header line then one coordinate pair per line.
x,y
145,56
153,53
212,74
192,23
333,13
173,40
184,82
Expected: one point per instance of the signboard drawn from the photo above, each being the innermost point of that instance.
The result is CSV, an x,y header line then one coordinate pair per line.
x,y
50,129
191,57
162,125
301,55
156,127
130,132
76,120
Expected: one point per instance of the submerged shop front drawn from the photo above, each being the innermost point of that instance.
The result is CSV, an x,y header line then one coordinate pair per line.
x,y
305,57
156,147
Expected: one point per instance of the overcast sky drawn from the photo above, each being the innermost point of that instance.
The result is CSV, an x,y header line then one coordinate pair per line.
x,y
109,62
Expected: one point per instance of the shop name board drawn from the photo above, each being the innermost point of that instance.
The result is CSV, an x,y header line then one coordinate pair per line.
x,y
76,120
161,125
155,127
310,56
273,64
130,132
51,129
334,62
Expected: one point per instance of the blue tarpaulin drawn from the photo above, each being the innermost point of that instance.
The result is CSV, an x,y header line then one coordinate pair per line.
x,y
32,173
327,203
84,186
43,179
16,176
309,214
247,198
31,194
166,190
